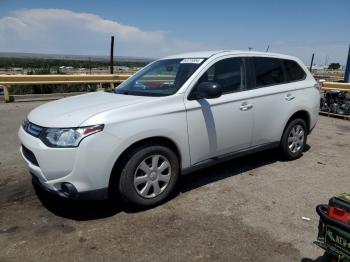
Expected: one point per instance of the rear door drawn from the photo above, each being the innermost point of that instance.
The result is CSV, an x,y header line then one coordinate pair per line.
x,y
275,97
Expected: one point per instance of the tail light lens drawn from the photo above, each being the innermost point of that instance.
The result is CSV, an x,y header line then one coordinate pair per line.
x,y
339,214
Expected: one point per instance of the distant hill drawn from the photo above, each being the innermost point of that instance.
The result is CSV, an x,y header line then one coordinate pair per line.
x,y
74,57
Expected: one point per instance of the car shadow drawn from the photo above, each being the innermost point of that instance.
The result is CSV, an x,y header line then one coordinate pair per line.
x,y
307,148
227,169
82,210
324,258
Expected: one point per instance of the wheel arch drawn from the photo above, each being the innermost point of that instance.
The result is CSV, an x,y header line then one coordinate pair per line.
x,y
159,140
303,114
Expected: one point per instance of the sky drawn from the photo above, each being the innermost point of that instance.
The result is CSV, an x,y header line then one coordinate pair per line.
x,y
150,28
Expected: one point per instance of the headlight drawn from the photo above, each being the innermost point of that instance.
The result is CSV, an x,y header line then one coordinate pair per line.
x,y
25,122
67,137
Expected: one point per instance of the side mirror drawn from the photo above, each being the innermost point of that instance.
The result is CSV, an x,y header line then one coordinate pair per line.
x,y
207,90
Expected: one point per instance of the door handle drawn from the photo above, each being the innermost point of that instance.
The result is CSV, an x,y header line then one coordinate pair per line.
x,y
289,97
245,106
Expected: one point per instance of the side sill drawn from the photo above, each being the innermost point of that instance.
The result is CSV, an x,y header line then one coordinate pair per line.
x,y
229,156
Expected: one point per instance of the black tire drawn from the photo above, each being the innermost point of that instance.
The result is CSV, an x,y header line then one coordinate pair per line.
x,y
328,257
126,186
287,152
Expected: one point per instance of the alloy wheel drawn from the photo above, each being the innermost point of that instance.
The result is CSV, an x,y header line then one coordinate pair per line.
x,y
296,138
152,176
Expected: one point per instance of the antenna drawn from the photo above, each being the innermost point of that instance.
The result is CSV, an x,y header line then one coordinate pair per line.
x,y
267,49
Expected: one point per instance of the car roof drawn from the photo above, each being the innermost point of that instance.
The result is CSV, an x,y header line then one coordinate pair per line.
x,y
207,54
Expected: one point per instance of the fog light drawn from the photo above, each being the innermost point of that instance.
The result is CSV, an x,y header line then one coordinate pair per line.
x,y
68,189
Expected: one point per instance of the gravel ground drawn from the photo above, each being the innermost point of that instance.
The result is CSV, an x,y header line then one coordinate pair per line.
x,y
248,209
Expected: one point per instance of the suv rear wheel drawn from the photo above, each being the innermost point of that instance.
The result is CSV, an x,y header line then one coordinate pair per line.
x,y
149,175
294,139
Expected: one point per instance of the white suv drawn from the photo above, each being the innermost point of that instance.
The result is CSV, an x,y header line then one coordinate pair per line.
x,y
177,114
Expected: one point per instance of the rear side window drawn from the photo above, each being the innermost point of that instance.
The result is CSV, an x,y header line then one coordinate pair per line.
x,y
293,70
268,71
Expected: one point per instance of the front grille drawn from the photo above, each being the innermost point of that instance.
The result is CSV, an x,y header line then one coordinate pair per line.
x,y
29,155
32,129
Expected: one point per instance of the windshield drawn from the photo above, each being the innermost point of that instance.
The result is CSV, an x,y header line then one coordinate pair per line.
x,y
161,78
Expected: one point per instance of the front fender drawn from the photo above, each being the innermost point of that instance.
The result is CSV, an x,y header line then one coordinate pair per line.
x,y
129,133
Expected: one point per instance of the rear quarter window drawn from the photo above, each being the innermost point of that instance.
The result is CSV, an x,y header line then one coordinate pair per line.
x,y
294,71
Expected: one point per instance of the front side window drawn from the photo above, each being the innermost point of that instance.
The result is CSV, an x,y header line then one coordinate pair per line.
x,y
229,73
161,78
268,71
293,70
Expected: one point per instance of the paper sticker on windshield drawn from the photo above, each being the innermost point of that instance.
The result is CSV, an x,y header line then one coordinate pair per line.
x,y
192,61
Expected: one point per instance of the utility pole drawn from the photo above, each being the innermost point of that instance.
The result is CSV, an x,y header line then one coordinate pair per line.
x,y
347,69
326,61
312,62
111,59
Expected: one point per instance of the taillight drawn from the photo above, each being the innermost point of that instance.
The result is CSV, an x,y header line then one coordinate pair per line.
x,y
339,214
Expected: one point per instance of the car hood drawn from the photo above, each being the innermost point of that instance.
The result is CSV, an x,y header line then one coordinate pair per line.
x,y
73,111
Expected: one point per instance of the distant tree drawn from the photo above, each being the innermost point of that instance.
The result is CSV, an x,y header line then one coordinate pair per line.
x,y
39,63
334,66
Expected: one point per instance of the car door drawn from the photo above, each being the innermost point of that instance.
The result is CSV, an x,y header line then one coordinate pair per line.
x,y
224,124
274,99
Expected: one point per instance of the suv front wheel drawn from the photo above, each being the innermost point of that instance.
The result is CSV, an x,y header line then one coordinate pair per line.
x,y
294,139
149,175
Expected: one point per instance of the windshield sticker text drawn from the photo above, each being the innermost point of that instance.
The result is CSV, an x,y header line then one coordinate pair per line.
x,y
192,61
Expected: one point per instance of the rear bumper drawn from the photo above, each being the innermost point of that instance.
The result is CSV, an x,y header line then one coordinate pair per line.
x,y
322,212
333,236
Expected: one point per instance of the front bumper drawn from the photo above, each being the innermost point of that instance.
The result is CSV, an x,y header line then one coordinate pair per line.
x,y
86,168
98,194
